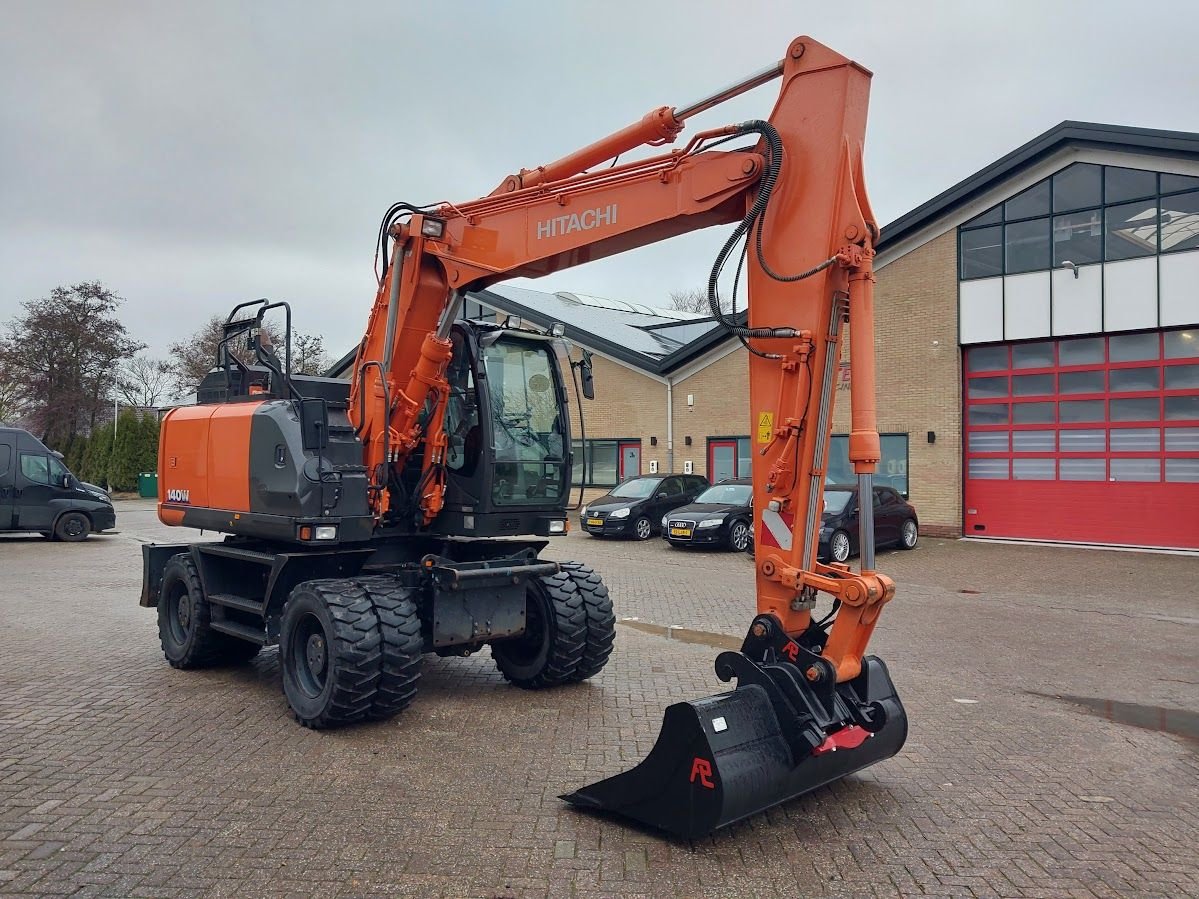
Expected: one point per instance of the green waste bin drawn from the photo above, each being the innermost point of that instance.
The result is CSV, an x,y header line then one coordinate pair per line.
x,y
147,484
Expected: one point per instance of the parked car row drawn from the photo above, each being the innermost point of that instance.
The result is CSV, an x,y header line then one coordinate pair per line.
x,y
687,511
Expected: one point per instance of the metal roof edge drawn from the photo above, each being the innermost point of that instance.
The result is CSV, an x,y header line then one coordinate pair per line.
x,y
1092,134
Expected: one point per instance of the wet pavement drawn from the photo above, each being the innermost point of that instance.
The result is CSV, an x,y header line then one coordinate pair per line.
x,y
1052,696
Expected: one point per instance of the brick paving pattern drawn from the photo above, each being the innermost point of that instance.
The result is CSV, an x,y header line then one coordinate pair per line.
x,y
120,776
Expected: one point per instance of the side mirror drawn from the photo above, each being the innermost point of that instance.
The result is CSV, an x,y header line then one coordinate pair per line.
x,y
64,481
662,496
585,373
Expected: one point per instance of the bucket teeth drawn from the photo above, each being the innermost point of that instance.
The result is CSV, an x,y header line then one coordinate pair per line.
x,y
720,759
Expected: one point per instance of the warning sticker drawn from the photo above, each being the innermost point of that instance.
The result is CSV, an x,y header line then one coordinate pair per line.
x,y
765,426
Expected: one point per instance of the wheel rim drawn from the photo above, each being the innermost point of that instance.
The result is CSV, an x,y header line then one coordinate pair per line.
x,y
526,649
740,538
73,527
643,528
909,533
310,655
180,617
840,547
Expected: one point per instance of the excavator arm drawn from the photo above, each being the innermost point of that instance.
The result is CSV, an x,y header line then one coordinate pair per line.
x,y
793,187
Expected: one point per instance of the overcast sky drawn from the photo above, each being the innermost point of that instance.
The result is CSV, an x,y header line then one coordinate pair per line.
x,y
193,155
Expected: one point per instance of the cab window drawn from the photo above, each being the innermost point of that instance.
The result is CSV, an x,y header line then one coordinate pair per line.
x,y
5,458
35,468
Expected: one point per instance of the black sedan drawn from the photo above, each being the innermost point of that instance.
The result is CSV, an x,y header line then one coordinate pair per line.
x,y
634,508
895,522
720,516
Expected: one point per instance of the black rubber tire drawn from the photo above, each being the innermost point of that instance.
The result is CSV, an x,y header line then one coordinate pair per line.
x,y
331,652
643,533
601,620
184,616
833,550
72,527
403,646
555,637
739,533
904,536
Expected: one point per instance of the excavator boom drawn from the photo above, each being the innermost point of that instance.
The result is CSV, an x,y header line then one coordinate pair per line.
x,y
793,187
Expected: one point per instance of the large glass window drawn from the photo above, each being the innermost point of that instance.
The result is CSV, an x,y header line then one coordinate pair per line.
x,y
1083,214
597,464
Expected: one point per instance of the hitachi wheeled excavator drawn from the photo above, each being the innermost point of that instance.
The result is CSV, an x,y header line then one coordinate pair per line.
x,y
400,514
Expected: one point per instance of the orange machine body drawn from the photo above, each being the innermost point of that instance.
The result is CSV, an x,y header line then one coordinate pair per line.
x,y
556,216
204,460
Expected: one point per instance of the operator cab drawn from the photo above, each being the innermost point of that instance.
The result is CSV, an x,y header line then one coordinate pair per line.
x,y
507,404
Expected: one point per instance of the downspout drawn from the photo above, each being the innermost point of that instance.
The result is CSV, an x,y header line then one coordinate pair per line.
x,y
669,425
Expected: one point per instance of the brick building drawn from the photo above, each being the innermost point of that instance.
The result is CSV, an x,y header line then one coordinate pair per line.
x,y
1037,340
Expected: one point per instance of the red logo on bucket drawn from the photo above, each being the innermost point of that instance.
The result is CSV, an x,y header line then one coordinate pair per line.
x,y
702,769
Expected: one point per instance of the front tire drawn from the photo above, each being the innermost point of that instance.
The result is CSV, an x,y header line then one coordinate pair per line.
x,y
72,527
331,652
601,620
643,528
548,653
909,534
739,535
839,547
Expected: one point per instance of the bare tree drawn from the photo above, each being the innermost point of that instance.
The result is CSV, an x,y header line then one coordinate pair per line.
x,y
695,299
145,383
64,351
308,356
13,399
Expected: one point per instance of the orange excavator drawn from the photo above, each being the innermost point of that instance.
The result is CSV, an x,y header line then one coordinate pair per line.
x,y
373,522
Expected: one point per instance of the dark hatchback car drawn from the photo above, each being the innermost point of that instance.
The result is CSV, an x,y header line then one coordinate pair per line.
x,y
635,507
720,516
895,521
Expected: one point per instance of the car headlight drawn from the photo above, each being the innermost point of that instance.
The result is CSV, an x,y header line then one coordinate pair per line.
x,y
664,521
103,497
620,513
583,512
710,523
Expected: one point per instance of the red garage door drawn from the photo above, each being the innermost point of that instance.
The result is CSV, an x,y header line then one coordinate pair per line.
x,y
1092,440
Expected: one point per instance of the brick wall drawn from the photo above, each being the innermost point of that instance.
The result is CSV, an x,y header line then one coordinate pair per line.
x,y
919,377
627,404
721,408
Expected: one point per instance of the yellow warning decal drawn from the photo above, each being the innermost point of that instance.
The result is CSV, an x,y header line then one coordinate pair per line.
x,y
765,426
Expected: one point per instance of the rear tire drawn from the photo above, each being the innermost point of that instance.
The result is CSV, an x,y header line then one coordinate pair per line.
x,y
72,527
909,534
403,646
601,620
330,650
184,622
548,653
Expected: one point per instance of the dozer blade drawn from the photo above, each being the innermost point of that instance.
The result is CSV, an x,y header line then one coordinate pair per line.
x,y
726,757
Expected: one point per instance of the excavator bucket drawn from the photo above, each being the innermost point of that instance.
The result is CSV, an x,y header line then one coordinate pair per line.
x,y
776,736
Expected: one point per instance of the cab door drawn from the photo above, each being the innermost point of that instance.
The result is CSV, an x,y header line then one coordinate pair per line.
x,y
32,494
6,485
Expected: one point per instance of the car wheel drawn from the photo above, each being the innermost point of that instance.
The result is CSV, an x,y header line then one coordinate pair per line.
x,y
909,533
739,537
642,529
72,527
838,546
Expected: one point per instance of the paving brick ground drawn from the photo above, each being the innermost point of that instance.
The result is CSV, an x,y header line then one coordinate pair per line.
x,y
120,776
